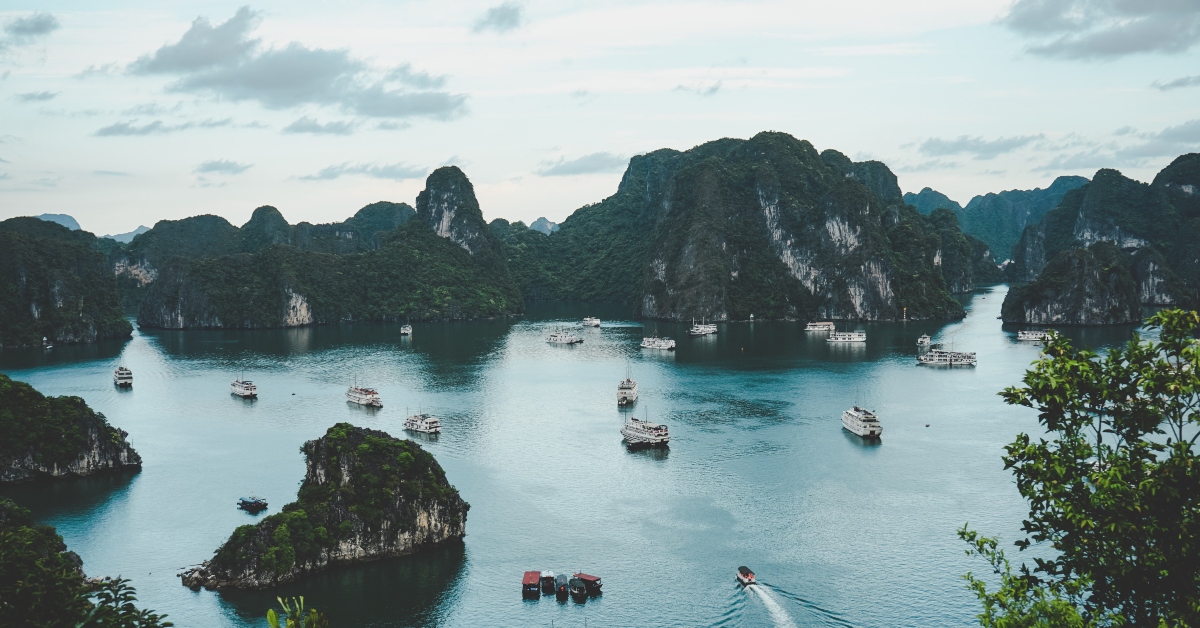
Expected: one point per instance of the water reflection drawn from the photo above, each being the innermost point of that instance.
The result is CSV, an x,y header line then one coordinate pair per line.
x,y
658,454
74,497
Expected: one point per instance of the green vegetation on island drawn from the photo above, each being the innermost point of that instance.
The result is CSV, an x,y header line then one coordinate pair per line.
x,y
366,496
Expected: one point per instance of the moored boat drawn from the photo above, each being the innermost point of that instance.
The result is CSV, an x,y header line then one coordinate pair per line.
x,y
244,388
639,433
560,587
578,588
252,504
123,377
591,321
654,342
819,326
591,583
423,423
563,338
1029,334
627,392
745,576
547,579
847,336
942,357
364,396
531,584
862,422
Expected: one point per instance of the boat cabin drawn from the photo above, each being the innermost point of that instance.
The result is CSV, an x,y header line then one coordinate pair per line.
x,y
547,582
591,583
560,587
578,588
745,576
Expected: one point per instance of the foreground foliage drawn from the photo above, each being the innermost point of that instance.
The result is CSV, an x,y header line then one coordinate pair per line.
x,y
293,615
1114,488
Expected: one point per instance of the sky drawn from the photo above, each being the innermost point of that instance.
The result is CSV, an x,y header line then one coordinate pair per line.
x,y
143,111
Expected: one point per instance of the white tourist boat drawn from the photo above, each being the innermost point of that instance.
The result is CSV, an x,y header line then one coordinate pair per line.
x,y
702,329
862,422
244,388
591,321
563,338
123,377
941,357
406,330
654,342
1036,336
364,396
627,392
847,336
639,433
819,326
423,423
924,340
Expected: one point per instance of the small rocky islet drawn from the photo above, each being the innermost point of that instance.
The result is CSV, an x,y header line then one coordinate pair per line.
x,y
365,496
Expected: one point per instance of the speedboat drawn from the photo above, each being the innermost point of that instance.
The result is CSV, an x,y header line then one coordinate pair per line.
x,y
745,576
531,584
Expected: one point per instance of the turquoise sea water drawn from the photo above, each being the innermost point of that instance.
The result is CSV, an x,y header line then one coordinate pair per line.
x,y
759,471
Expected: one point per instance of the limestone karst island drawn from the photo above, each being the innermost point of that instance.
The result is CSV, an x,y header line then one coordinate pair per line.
x,y
627,314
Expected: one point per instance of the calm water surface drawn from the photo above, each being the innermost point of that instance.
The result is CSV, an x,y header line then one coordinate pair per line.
x,y
759,471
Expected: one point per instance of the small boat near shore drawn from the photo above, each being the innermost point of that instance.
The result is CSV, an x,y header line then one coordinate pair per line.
x,y
123,377
847,336
745,576
252,504
423,423
406,330
862,422
702,329
924,340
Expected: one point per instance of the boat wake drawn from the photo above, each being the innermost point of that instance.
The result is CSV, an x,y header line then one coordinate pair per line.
x,y
778,615
824,616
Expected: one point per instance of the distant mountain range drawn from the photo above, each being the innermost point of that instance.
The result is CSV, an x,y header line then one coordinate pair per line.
x,y
62,219
126,238
544,226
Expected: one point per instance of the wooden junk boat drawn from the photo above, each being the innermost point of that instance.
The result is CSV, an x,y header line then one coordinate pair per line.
x,y
591,583
531,584
560,587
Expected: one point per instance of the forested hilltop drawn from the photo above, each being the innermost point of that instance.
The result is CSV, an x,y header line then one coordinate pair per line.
x,y
766,226
1110,247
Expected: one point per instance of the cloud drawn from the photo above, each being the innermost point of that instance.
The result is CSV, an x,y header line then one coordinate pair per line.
x,y
223,61
394,172
1105,29
26,30
500,18
151,109
157,127
309,125
977,147
110,173
877,50
700,90
203,46
389,125
587,164
36,96
97,70
1169,142
221,166
1186,81
932,164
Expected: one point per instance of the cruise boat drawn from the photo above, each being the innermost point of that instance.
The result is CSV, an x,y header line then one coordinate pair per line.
x,y
252,504
244,388
627,392
531,584
364,396
941,357
745,576
702,329
639,433
847,336
862,422
819,326
563,338
123,377
591,321
591,583
423,423
654,342
547,582
924,340
578,588
406,330
1037,336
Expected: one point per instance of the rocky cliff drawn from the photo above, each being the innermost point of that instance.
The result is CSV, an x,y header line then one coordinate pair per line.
x,y
1089,286
56,436
365,496
448,206
929,199
55,284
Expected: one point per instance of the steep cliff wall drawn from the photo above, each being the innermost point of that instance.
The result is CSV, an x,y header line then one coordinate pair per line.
x,y
1079,287
55,283
365,496
55,436
448,206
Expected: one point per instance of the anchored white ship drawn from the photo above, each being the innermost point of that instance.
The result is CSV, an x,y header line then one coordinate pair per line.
x,y
563,338
1037,336
862,422
591,321
627,392
702,329
244,388
639,433
364,396
423,423
123,377
654,342
406,330
924,340
941,357
819,326
847,336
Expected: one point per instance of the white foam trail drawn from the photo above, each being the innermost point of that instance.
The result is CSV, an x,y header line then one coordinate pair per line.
x,y
780,616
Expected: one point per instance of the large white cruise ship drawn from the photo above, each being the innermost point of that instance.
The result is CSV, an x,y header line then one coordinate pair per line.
x,y
847,336
563,338
819,326
941,357
862,422
639,433
627,392
423,423
244,388
364,396
1037,336
123,377
654,342
702,329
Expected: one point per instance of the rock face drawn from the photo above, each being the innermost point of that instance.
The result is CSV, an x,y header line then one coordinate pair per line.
x,y
448,206
365,496
929,199
544,226
56,437
55,284
999,218
1079,287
